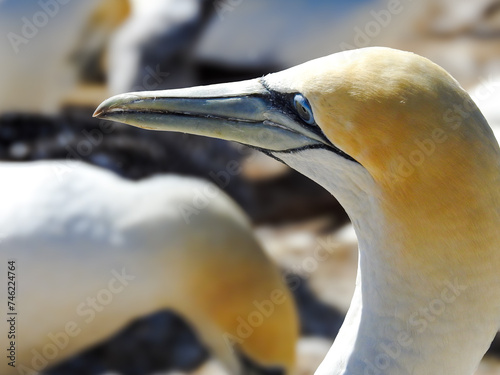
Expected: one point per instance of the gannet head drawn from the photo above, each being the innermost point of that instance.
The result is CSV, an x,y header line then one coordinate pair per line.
x,y
377,109
375,126
409,156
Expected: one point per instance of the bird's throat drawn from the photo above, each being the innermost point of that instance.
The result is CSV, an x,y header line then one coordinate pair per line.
x,y
401,322
426,283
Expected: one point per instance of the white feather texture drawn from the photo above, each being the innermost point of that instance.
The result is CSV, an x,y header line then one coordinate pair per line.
x,y
94,251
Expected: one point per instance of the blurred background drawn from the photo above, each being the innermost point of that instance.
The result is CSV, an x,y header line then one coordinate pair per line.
x,y
60,59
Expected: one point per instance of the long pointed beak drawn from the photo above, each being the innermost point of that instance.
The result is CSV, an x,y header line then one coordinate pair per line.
x,y
244,112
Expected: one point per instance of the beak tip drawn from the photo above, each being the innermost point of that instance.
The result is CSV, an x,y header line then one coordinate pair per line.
x,y
102,110
98,113
115,103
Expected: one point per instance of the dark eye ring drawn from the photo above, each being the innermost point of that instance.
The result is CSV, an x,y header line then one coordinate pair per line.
x,y
303,108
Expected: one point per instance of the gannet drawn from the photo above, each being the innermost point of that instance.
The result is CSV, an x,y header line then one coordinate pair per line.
x,y
135,59
93,251
38,39
414,163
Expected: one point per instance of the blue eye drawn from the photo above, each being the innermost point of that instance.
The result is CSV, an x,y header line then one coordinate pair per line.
x,y
303,108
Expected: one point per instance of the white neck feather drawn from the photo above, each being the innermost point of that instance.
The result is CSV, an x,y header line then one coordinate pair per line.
x,y
406,317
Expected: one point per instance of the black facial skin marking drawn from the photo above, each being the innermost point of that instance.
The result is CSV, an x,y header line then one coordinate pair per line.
x,y
285,101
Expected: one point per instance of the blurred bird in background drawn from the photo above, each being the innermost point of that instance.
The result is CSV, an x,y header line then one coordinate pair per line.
x,y
136,62
38,38
96,251
60,59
